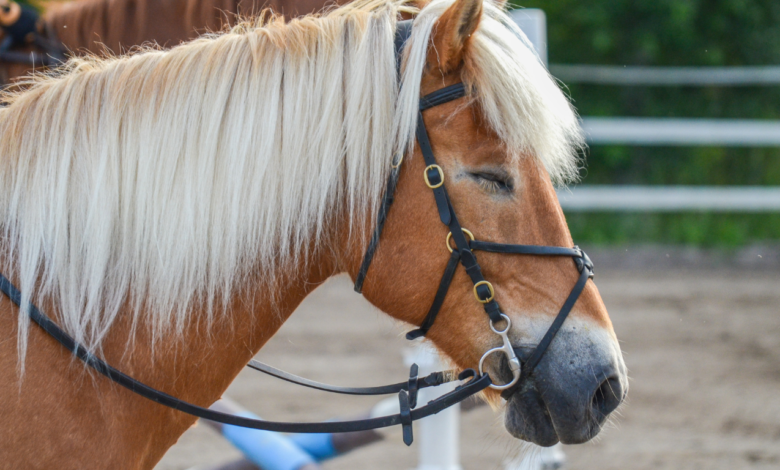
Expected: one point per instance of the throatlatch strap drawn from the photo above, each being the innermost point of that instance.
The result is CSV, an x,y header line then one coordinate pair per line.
x,y
402,33
438,301
384,209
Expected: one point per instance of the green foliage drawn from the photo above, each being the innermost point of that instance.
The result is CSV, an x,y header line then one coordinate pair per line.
x,y
672,33
701,229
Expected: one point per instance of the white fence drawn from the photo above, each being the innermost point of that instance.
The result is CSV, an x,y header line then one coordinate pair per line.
x,y
671,198
665,131
672,131
659,76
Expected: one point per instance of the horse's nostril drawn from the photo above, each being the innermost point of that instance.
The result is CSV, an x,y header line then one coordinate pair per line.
x,y
607,396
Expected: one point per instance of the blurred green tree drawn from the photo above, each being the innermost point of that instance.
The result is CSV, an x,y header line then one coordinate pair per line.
x,y
672,33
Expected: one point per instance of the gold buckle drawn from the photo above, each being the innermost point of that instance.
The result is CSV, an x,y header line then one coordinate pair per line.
x,y
441,174
397,163
449,235
490,287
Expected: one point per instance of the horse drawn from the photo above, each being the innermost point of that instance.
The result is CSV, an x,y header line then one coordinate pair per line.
x,y
103,26
170,209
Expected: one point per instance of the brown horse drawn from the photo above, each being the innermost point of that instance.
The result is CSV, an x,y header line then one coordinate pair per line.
x,y
96,26
170,210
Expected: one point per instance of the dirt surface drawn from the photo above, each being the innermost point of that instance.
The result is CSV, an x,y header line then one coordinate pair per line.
x,y
702,348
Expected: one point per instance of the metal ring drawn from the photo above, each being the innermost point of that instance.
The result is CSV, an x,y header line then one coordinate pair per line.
x,y
506,348
515,373
492,292
441,174
466,231
505,330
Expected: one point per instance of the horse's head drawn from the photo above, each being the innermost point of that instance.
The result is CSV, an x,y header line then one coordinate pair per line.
x,y
500,148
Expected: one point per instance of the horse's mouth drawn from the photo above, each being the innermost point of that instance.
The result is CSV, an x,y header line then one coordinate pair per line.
x,y
527,417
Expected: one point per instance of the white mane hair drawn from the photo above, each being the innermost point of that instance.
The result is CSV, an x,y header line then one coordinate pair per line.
x,y
520,100
162,180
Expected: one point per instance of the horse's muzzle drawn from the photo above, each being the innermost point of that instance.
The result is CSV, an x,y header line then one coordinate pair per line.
x,y
568,396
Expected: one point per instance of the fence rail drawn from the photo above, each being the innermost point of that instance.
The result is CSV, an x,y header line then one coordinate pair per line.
x,y
670,199
667,76
668,131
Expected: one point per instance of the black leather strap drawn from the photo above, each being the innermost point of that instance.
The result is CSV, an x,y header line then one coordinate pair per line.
x,y
432,380
541,348
434,176
402,33
438,300
403,29
524,249
444,95
405,412
384,209
470,264
413,385
533,360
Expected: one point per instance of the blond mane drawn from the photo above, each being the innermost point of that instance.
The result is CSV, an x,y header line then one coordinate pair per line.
x,y
162,180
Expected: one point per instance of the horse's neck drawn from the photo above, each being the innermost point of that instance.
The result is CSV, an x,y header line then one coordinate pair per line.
x,y
196,367
122,24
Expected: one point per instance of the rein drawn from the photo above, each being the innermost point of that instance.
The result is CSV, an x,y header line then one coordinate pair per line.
x,y
407,391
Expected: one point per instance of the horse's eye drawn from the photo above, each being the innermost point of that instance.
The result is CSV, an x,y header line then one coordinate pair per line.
x,y
493,183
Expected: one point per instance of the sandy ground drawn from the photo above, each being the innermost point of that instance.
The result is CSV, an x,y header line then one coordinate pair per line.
x,y
702,347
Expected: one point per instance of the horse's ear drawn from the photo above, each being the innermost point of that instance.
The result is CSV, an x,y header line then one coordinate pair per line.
x,y
453,31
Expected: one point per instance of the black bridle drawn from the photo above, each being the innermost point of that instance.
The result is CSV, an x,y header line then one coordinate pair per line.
x,y
407,391
463,253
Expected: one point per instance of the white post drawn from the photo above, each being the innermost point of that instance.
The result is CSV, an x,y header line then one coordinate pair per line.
x,y
437,437
533,22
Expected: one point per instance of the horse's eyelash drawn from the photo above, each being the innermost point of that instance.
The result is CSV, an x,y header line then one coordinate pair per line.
x,y
489,185
492,183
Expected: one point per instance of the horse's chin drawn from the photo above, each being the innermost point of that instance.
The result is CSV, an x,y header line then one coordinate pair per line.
x,y
527,418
